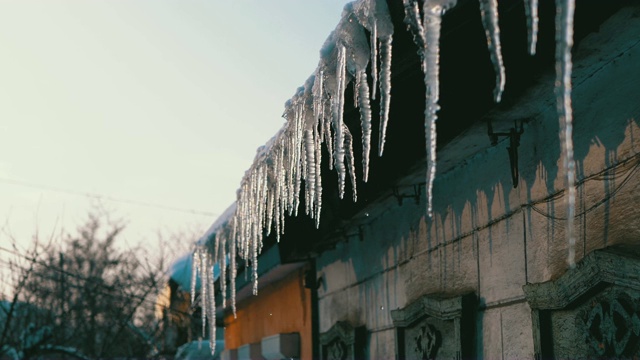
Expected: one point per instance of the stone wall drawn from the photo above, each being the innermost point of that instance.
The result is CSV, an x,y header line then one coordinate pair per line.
x,y
488,238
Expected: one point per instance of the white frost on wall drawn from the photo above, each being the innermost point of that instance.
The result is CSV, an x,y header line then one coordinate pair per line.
x,y
271,188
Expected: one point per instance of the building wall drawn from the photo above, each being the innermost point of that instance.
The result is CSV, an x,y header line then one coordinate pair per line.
x,y
282,307
489,238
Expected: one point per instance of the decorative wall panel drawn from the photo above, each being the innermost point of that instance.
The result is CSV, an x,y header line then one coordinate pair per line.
x,y
436,327
592,311
342,342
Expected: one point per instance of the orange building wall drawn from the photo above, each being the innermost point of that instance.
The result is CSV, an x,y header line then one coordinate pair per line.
x,y
283,307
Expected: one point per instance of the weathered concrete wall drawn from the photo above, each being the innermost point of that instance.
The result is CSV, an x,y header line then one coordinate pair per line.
x,y
487,237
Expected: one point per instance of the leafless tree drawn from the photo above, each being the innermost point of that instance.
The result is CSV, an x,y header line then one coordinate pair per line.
x,y
81,297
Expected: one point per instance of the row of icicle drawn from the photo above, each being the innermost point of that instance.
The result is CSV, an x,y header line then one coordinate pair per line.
x,y
270,189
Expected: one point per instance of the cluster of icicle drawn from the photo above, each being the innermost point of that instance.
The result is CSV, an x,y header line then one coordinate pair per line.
x,y
271,188
425,25
203,266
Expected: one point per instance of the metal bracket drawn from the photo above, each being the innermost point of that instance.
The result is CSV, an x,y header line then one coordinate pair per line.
x,y
417,191
514,142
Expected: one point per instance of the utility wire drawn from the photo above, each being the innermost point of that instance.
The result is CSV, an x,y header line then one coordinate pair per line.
x,y
630,165
104,197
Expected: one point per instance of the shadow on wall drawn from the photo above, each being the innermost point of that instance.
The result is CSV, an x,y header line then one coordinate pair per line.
x,y
481,207
485,235
479,196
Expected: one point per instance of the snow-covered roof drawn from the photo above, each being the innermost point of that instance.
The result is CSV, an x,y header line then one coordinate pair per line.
x,y
180,271
221,221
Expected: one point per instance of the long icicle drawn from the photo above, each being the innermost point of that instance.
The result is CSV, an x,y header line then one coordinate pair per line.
x,y
351,164
203,290
431,66
338,108
223,269
414,23
211,310
194,274
374,58
318,158
489,13
531,11
310,145
232,264
365,120
564,43
385,88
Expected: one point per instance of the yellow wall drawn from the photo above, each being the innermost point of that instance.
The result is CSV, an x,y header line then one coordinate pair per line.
x,y
283,307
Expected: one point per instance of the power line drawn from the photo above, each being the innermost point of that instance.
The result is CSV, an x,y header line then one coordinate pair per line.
x,y
104,197
630,165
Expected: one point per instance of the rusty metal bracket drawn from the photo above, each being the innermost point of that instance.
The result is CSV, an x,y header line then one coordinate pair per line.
x,y
514,142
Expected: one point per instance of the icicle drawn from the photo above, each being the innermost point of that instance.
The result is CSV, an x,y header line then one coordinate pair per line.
x,y
203,291
318,201
232,265
531,11
356,93
385,89
259,199
374,58
285,191
296,188
328,138
428,50
365,120
311,169
348,144
279,216
223,270
374,16
299,149
194,274
270,212
338,108
431,66
415,26
254,266
211,309
318,95
289,175
489,13
564,43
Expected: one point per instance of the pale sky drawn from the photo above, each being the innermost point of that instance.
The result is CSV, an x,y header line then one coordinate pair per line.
x,y
151,101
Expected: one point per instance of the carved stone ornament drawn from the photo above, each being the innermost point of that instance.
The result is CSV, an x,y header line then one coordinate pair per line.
x,y
592,310
342,342
337,350
436,327
427,342
612,326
